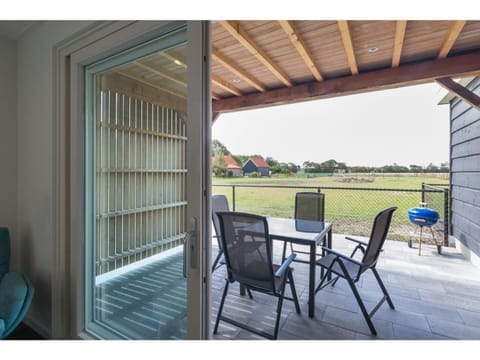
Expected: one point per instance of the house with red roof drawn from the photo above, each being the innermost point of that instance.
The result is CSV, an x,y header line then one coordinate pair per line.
x,y
256,165
232,166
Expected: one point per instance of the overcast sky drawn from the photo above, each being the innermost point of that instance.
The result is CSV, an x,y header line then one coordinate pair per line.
x,y
404,126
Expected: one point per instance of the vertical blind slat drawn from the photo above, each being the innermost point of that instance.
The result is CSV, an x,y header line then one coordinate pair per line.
x,y
140,147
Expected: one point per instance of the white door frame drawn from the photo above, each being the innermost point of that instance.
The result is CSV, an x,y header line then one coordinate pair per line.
x,y
97,41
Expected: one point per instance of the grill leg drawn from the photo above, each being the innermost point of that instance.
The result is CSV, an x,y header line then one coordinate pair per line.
x,y
420,242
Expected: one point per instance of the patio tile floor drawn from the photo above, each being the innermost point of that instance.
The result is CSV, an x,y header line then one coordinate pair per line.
x,y
436,297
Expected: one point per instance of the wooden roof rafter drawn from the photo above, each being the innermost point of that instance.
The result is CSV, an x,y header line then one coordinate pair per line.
x,y
234,28
410,74
454,31
298,43
461,91
230,65
225,85
150,83
400,29
348,45
182,63
163,73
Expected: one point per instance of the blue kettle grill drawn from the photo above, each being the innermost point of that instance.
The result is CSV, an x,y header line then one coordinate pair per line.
x,y
424,217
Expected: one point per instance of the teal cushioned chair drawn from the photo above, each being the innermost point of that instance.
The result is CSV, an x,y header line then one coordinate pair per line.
x,y
16,290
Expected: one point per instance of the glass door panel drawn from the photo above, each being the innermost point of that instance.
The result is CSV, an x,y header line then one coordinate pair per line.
x,y
136,191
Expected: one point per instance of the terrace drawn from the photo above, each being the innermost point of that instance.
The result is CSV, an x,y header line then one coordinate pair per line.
x,y
436,297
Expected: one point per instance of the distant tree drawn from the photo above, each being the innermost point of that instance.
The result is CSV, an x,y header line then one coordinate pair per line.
x,y
219,165
444,167
218,147
292,168
241,159
361,169
415,168
431,168
271,161
395,168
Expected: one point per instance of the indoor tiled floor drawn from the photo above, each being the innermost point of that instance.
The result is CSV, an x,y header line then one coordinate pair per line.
x,y
436,297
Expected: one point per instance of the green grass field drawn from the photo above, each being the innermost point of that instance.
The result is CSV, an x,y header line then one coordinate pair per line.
x,y
351,211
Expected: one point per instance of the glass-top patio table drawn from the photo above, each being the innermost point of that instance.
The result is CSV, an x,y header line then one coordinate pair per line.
x,y
303,232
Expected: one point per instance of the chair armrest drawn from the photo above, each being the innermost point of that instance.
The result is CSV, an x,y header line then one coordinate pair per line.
x,y
342,256
285,265
356,240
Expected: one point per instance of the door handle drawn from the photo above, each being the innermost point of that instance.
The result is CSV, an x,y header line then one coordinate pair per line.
x,y
186,240
190,247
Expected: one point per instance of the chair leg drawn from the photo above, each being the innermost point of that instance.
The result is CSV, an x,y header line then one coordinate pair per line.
x,y
279,312
384,289
362,306
217,259
225,290
294,291
284,252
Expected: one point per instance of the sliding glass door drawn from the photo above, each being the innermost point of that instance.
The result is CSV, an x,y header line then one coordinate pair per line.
x,y
145,129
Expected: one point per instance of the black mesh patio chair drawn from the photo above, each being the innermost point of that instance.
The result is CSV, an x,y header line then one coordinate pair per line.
x,y
248,256
308,206
219,203
351,269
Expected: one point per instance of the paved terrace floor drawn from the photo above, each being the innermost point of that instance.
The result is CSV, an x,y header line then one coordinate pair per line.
x,y
436,297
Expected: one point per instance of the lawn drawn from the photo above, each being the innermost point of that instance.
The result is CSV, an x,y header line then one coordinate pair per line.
x,y
349,205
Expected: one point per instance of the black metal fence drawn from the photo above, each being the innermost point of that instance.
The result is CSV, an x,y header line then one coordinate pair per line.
x,y
350,209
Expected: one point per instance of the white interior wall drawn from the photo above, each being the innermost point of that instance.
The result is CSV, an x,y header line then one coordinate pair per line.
x,y
8,137
36,162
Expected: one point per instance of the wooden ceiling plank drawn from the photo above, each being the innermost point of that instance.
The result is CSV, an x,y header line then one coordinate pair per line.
x,y
224,85
234,28
177,61
298,43
156,86
348,45
400,29
181,62
454,31
410,74
163,73
217,56
459,90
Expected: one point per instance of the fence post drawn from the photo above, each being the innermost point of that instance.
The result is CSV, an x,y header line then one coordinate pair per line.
x,y
233,197
446,220
423,192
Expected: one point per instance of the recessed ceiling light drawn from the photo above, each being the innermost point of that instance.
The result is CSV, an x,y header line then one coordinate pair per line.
x,y
178,62
373,49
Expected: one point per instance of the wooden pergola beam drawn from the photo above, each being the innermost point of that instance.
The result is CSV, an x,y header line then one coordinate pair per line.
x,y
348,45
453,32
461,91
226,86
296,40
215,116
400,29
411,74
229,64
234,28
